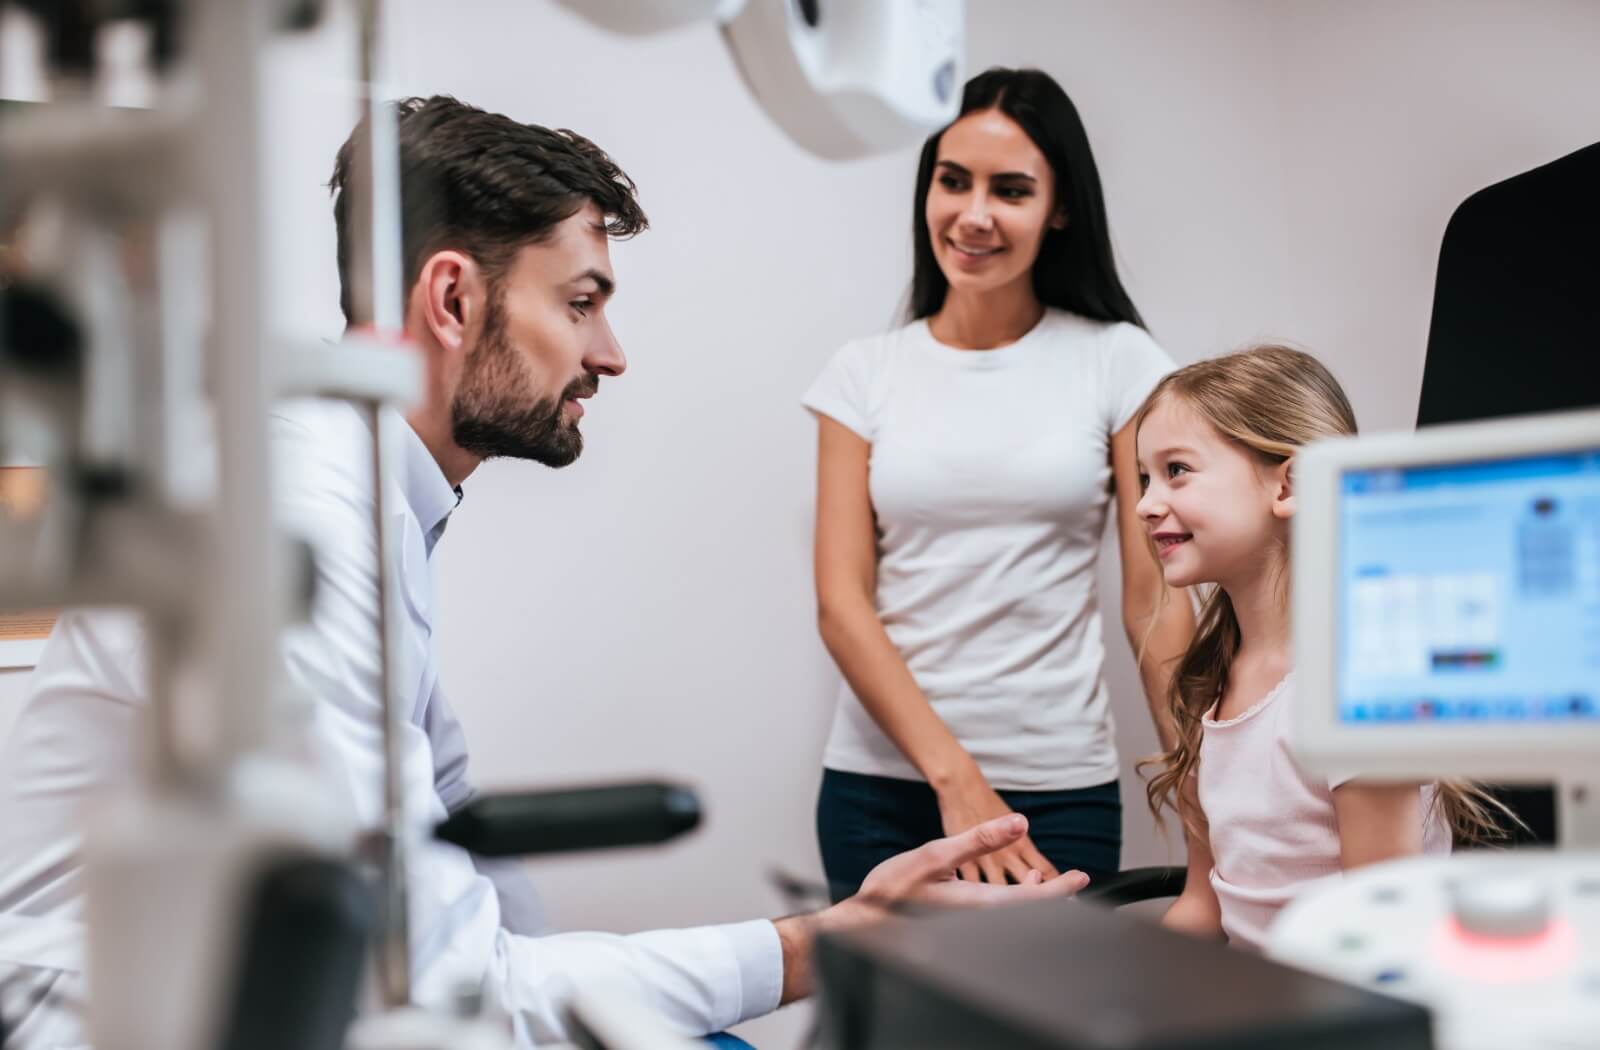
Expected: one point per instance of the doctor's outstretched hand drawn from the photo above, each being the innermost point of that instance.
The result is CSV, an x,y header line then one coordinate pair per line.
x,y
925,875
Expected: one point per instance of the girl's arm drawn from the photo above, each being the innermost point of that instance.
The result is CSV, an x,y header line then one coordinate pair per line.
x,y
1377,821
1196,911
1142,588
847,616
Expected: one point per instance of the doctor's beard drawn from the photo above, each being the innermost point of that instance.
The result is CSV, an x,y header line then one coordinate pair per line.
x,y
497,413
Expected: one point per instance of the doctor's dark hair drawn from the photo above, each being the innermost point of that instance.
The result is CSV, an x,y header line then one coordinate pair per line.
x,y
483,184
1075,269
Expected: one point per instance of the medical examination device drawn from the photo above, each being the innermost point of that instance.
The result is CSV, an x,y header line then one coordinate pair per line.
x,y
1447,619
1519,338
844,78
1475,545
137,311
135,317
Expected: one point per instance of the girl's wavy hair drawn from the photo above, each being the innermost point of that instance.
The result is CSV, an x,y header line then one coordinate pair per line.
x,y
1269,401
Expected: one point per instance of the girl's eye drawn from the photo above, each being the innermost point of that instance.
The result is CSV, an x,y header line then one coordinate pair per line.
x,y
951,183
1176,469
1013,193
582,306
1144,482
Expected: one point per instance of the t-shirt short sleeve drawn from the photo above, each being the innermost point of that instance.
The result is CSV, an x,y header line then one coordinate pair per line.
x,y
1134,364
842,391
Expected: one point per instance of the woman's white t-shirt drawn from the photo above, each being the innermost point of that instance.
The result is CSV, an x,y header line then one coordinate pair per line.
x,y
990,478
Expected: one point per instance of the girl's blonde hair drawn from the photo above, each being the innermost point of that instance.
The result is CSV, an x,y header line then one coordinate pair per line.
x,y
1270,401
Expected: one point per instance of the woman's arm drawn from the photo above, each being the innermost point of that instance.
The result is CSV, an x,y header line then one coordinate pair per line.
x,y
1196,911
1142,588
1377,821
847,616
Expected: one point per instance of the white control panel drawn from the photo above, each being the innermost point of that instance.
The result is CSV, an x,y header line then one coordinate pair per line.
x,y
1502,946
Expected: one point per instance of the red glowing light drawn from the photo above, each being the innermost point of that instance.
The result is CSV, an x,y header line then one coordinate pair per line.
x,y
1505,960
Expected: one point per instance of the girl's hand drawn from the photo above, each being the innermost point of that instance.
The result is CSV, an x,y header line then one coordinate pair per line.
x,y
969,802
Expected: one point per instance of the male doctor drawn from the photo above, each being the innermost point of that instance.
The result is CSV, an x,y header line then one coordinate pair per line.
x,y
508,273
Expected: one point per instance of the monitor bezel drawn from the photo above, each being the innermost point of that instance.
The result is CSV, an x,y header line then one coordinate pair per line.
x,y
1542,752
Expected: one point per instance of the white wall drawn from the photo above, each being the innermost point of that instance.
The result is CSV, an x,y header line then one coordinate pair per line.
x,y
1272,170
1396,112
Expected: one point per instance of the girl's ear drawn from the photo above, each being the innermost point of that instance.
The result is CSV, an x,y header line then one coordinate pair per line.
x,y
1283,490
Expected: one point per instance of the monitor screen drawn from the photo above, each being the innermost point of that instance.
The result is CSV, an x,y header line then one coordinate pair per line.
x,y
1469,592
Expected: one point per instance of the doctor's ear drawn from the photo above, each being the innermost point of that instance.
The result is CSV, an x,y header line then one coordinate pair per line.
x,y
454,298
1283,490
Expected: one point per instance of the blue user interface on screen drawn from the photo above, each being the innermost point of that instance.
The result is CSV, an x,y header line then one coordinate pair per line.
x,y
1471,592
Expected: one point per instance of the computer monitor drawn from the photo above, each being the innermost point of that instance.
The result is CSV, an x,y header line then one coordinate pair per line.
x,y
1446,596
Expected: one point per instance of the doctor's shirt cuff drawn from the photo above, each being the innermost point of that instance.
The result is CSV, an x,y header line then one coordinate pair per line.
x,y
760,954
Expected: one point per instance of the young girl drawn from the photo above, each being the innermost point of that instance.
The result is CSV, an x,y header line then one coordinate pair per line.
x,y
1216,443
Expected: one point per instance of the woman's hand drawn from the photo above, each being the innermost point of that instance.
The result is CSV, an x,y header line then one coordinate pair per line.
x,y
969,801
925,875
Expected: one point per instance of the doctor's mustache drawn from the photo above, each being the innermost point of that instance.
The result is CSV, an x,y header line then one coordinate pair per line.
x,y
586,385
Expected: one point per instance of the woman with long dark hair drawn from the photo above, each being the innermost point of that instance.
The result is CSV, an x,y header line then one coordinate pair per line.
x,y
966,462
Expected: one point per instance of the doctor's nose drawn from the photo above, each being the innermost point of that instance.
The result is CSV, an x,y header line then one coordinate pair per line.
x,y
604,354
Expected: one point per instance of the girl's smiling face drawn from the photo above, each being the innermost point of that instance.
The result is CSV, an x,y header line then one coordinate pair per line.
x,y
1216,511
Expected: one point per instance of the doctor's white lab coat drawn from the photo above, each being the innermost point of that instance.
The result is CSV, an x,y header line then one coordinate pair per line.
x,y
77,735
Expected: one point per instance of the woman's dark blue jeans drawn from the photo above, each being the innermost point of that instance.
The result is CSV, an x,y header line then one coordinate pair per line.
x,y
864,820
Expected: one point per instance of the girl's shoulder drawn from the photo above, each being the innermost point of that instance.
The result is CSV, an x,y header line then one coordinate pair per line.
x,y
1243,705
